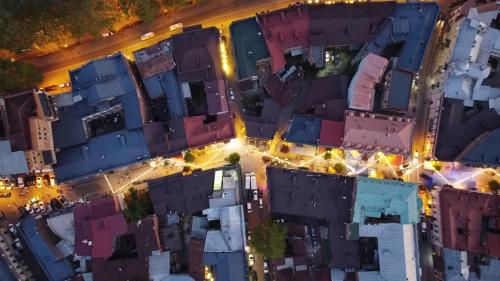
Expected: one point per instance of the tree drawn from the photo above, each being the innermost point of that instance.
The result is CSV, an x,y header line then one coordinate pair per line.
x,y
284,148
339,168
189,157
138,206
147,10
233,158
18,75
494,185
268,239
437,167
327,155
87,16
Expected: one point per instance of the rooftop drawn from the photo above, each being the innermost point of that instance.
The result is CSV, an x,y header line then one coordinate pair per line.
x,y
43,262
377,132
316,198
377,198
97,224
397,252
227,265
202,130
19,107
327,97
155,59
331,133
304,129
11,163
229,236
265,125
470,221
460,266
100,122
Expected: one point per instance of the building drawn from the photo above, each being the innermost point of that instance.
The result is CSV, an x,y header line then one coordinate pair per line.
x,y
97,225
397,252
263,126
285,84
377,132
466,221
159,268
26,119
469,124
386,200
461,266
11,162
361,92
44,258
304,130
320,199
100,124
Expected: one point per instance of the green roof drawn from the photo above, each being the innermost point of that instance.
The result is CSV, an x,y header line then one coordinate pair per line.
x,y
375,197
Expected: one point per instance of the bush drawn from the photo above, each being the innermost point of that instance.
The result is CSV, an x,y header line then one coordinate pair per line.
x,y
494,185
284,148
339,168
138,205
189,157
269,239
266,159
234,158
18,75
327,155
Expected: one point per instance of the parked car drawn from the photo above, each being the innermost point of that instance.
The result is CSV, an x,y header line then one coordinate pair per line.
x,y
261,205
249,235
231,94
249,207
176,26
34,199
5,194
55,203
8,184
17,244
107,34
35,207
266,267
62,199
253,181
12,229
42,206
28,209
39,181
247,181
251,259
147,35
255,195
20,181
65,85
51,88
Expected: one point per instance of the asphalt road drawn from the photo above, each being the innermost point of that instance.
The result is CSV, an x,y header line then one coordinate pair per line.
x,y
218,13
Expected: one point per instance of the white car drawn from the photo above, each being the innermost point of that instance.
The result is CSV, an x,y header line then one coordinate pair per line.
x,y
12,229
249,207
261,205
266,268
247,181
35,207
147,35
231,94
42,206
255,195
176,26
107,34
28,209
34,199
251,260
17,244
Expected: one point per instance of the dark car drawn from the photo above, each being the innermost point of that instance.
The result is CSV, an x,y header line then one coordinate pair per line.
x,y
55,203
5,194
51,88
62,199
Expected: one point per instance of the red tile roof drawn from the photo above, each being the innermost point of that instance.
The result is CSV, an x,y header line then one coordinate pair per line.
x,y
377,132
283,30
331,133
198,133
362,88
282,90
96,225
470,221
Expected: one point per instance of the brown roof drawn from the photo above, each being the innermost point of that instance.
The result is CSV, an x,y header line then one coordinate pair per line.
x,y
19,107
283,90
196,269
470,221
323,90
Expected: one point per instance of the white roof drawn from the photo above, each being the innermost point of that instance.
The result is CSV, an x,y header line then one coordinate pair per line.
x,y
63,226
230,237
397,250
457,269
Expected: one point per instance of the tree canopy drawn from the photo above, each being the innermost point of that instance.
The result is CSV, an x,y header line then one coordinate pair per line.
x,y
234,158
269,239
138,205
189,157
494,185
18,75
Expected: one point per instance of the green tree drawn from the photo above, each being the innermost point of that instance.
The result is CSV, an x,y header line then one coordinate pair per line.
x,y
494,185
18,75
268,239
87,16
339,168
234,158
147,10
437,167
138,205
189,157
327,155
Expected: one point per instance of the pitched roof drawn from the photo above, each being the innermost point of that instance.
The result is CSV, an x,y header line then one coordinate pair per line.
x,y
97,223
304,129
265,125
327,97
375,132
283,30
19,107
331,133
362,88
461,227
376,198
227,265
201,130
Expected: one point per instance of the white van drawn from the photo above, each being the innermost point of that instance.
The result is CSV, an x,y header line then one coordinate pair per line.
x,y
247,181
176,26
147,35
253,181
249,207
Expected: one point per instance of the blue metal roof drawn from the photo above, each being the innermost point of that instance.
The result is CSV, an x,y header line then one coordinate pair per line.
x,y
304,130
249,46
44,261
98,85
375,197
227,265
11,162
166,84
486,151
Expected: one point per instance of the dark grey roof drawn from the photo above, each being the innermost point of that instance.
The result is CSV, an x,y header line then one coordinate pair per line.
x,y
183,194
165,141
399,90
265,125
484,151
227,266
292,193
